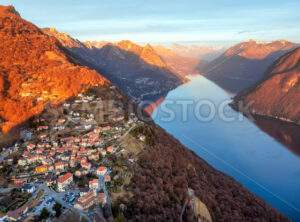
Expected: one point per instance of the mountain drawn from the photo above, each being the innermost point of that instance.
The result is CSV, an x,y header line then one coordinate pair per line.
x,y
35,70
97,44
136,70
195,51
34,65
182,65
277,94
244,64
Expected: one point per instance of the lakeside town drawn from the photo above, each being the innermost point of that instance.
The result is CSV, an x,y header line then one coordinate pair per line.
x,y
69,161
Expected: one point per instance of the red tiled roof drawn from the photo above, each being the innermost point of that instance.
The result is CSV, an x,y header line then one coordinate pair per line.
x,y
59,164
101,168
93,181
64,177
85,164
86,197
17,213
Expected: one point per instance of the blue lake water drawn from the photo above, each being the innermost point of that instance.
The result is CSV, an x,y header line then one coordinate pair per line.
x,y
236,147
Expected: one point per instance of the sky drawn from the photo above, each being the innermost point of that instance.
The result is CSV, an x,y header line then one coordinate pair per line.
x,y
210,22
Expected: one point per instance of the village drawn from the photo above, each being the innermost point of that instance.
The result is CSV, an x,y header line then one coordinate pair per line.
x,y
67,163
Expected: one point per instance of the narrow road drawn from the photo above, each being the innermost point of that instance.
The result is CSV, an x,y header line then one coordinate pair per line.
x,y
102,186
125,134
183,209
4,155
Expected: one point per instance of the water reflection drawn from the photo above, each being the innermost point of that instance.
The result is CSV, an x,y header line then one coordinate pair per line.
x,y
285,133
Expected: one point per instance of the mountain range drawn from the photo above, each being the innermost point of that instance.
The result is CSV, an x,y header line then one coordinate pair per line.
x,y
203,53
136,70
277,93
37,69
244,64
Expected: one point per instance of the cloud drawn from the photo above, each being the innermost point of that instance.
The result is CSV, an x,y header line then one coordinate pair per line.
x,y
244,31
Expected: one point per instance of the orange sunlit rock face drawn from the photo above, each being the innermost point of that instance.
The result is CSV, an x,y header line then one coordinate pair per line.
x,y
35,69
252,49
277,95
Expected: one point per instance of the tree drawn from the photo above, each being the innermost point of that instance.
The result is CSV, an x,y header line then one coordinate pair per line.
x,y
81,183
100,157
118,163
126,116
57,208
44,214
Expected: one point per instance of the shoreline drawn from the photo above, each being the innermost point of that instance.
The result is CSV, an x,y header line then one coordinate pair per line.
x,y
233,105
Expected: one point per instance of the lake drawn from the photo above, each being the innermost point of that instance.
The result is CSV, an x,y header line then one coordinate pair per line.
x,y
198,114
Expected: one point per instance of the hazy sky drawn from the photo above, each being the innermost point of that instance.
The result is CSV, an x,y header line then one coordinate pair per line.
x,y
213,22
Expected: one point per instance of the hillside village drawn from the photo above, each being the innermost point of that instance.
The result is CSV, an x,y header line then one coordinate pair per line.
x,y
71,158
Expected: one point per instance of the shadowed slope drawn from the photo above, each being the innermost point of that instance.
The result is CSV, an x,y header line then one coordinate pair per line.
x,y
138,71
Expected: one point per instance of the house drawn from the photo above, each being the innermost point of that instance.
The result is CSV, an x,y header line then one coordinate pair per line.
x,y
87,127
106,178
9,161
85,201
94,184
61,120
110,149
50,180
81,172
64,181
101,171
27,188
142,138
30,146
41,169
22,161
86,165
21,181
47,162
73,163
84,191
89,200
103,152
42,136
42,128
17,214
60,166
